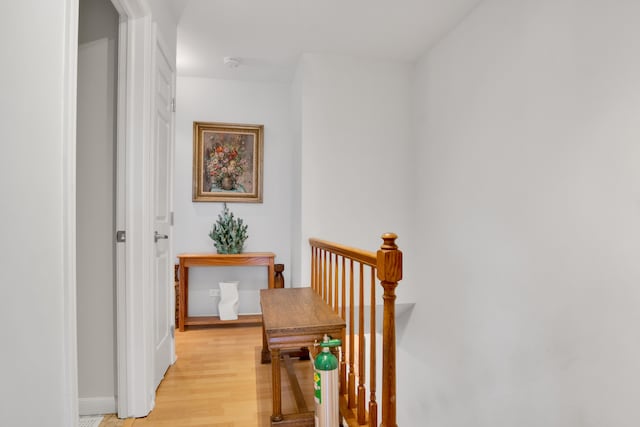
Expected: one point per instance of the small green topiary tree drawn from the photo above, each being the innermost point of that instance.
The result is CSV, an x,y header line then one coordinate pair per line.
x,y
228,233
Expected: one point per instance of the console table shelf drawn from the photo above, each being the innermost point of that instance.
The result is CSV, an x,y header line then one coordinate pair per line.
x,y
243,319
218,260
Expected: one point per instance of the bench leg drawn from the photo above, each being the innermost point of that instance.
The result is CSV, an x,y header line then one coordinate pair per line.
x,y
266,356
275,383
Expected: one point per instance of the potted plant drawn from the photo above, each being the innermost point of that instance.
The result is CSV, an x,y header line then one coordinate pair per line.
x,y
228,233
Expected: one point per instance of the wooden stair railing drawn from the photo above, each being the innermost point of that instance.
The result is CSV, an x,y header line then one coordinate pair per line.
x,y
335,270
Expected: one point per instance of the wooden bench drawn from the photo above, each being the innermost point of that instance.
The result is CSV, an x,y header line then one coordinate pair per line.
x,y
293,318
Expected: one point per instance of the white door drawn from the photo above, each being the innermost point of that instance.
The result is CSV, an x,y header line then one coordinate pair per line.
x,y
162,159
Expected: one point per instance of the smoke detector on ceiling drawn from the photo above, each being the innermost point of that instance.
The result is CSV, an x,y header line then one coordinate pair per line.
x,y
231,62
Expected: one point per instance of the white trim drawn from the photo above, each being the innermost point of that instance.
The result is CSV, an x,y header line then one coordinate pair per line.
x,y
134,341
140,392
144,154
121,224
97,405
69,118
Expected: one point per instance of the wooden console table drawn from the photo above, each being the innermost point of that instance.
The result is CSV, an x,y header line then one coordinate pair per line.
x,y
294,318
218,260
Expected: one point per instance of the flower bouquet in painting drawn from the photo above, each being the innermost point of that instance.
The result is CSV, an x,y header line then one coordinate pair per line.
x,y
226,162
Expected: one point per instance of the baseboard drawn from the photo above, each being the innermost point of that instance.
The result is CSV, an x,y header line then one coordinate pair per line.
x,y
97,405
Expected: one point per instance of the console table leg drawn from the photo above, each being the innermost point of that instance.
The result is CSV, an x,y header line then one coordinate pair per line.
x,y
275,382
182,305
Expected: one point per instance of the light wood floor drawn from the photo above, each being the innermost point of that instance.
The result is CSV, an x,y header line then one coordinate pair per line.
x,y
218,381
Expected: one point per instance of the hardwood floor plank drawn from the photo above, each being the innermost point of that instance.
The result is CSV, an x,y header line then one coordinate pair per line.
x,y
218,381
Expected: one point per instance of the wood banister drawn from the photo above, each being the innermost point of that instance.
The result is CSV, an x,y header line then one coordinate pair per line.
x,y
352,376
373,406
389,273
362,373
334,273
359,255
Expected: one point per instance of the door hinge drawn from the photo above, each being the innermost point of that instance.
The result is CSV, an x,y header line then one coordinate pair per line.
x,y
121,236
173,331
171,218
173,105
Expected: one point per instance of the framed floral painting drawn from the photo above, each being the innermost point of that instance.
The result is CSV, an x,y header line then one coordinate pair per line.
x,y
227,162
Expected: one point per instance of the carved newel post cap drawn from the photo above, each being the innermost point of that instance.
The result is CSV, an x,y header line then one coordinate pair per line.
x,y
278,268
389,259
389,241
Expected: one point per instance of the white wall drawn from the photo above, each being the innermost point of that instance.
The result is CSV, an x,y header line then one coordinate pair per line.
x,y
296,194
529,220
38,43
355,157
34,389
270,223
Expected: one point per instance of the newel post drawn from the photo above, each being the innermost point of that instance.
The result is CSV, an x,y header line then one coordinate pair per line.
x,y
389,267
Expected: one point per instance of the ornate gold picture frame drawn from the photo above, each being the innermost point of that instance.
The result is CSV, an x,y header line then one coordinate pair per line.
x,y
227,162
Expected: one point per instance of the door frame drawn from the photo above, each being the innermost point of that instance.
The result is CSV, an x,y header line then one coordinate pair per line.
x,y
69,119
134,363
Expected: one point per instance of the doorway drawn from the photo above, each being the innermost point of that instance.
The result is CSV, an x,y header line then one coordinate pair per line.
x,y
96,133
133,265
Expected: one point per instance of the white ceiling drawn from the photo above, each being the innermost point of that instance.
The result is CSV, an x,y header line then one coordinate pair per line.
x,y
270,35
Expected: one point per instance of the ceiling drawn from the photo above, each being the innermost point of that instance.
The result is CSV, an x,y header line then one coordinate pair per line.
x,y
268,36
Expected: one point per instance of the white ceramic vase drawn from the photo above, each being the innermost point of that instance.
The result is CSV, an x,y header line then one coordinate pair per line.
x,y
228,305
